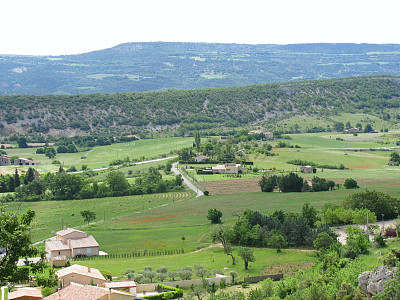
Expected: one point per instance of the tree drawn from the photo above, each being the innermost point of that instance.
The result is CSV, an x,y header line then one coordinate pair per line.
x,y
117,182
268,183
291,183
15,239
197,140
277,240
50,152
17,180
22,143
88,216
247,255
395,157
233,275
368,128
377,202
350,183
30,176
223,234
309,213
323,241
214,215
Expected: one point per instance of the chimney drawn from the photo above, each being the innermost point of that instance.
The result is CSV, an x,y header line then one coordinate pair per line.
x,y
64,227
89,269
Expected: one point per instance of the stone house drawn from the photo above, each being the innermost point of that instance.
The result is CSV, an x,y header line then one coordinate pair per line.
x,y
70,242
306,169
24,162
269,135
5,160
229,168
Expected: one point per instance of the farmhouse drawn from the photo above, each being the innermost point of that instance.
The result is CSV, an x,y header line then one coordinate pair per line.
x,y
5,160
69,243
352,130
229,168
87,292
269,135
24,162
201,158
306,169
259,131
80,274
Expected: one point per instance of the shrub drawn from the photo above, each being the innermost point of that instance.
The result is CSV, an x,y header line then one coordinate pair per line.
x,y
350,183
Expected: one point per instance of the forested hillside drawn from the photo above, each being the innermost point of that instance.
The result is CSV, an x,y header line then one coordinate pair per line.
x,y
200,109
135,67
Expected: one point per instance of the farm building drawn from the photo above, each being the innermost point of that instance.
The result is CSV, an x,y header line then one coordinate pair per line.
x,y
5,160
24,162
306,169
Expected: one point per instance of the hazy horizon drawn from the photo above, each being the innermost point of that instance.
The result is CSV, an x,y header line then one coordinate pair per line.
x,y
48,27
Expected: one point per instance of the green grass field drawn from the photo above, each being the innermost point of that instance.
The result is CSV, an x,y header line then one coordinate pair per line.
x,y
101,156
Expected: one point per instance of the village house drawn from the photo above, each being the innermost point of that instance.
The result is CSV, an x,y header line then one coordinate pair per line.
x,y
306,169
69,243
88,292
5,160
80,274
24,162
229,168
201,158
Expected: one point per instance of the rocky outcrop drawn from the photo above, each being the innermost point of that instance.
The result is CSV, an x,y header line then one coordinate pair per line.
x,y
373,282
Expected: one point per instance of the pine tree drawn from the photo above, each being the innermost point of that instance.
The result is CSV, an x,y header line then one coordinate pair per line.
x,y
17,180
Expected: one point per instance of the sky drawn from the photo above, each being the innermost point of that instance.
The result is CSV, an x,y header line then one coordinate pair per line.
x,y
58,27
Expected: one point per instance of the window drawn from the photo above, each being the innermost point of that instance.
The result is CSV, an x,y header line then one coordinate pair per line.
x,y
89,250
79,251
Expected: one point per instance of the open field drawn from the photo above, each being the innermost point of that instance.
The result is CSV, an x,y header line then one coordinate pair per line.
x,y
101,156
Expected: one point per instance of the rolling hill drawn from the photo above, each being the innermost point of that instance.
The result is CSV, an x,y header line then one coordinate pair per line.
x,y
188,110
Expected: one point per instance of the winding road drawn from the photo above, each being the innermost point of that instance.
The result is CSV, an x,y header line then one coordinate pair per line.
x,y
186,181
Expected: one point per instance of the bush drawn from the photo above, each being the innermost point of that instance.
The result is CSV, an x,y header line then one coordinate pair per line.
x,y
206,193
350,183
47,291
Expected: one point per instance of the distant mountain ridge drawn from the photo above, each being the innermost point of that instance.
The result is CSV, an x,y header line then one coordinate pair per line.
x,y
136,67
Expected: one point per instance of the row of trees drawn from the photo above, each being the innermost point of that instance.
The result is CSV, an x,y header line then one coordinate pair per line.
x,y
63,186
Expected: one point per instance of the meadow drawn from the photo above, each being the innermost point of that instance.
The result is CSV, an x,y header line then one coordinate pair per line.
x,y
101,156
